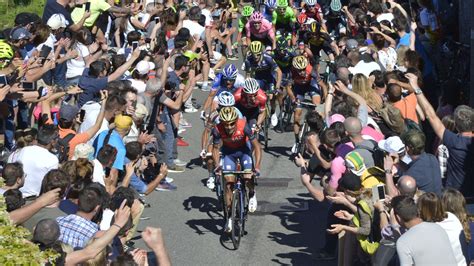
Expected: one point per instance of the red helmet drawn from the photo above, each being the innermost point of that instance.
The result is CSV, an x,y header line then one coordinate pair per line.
x,y
302,18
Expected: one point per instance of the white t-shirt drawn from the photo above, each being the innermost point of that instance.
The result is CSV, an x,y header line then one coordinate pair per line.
x,y
139,85
98,174
388,58
385,16
364,68
194,28
92,112
75,66
37,162
207,14
453,228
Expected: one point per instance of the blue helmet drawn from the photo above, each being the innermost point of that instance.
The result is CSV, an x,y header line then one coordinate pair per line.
x,y
226,98
271,3
230,72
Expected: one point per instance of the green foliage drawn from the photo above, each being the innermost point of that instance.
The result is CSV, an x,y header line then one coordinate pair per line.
x,y
15,249
10,8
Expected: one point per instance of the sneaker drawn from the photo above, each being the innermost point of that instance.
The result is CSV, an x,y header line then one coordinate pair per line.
x,y
274,120
181,130
178,162
169,179
190,110
182,143
165,186
184,123
253,203
211,183
228,226
232,57
176,169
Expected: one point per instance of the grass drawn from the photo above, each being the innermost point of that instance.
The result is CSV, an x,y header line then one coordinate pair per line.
x,y
10,8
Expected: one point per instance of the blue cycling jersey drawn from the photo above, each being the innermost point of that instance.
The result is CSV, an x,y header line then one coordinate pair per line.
x,y
263,69
219,82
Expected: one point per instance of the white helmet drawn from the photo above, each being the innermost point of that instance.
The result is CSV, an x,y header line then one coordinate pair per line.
x,y
251,86
226,98
311,2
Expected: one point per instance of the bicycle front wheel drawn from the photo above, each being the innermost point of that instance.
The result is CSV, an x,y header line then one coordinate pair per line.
x,y
236,211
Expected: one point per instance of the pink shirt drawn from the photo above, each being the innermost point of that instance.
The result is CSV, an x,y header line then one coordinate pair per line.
x,y
369,131
266,30
338,167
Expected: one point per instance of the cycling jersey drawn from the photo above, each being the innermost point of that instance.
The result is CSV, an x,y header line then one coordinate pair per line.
x,y
283,60
242,22
323,39
265,31
314,13
305,82
285,18
237,140
243,102
267,14
305,78
263,69
219,82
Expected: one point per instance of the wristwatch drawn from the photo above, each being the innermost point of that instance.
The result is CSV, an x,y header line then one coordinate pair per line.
x,y
388,171
418,91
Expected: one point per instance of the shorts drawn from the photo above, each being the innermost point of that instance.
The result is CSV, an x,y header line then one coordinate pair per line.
x,y
248,113
230,157
267,85
301,90
285,79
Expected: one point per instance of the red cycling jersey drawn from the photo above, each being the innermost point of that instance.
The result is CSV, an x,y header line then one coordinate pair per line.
x,y
242,100
238,139
314,13
300,79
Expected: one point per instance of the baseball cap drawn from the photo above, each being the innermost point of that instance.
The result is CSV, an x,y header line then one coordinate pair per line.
x,y
352,44
143,67
350,181
141,111
355,162
336,118
68,112
57,21
123,121
19,33
83,150
25,18
392,145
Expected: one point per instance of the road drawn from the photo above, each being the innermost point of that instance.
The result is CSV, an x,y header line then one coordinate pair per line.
x,y
286,229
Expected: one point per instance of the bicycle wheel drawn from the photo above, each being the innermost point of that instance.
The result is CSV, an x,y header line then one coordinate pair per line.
x,y
220,195
236,212
302,140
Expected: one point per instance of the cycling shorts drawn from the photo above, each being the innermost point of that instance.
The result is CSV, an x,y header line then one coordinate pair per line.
x,y
230,157
301,90
267,84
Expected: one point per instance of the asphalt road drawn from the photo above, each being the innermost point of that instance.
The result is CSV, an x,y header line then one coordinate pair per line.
x,y
286,229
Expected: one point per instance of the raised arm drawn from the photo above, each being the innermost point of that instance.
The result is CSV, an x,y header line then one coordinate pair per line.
x,y
123,68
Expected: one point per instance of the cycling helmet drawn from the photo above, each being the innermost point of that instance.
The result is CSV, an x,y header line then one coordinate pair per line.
x,y
230,72
6,51
256,17
282,3
251,86
311,2
315,27
281,44
302,18
247,11
228,114
226,98
300,62
271,4
256,47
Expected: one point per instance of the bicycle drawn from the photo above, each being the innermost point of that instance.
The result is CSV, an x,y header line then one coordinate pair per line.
x,y
239,205
284,119
301,145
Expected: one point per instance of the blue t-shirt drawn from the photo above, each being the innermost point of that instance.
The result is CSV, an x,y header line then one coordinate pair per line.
x,y
136,182
404,40
115,141
91,87
425,170
460,171
53,7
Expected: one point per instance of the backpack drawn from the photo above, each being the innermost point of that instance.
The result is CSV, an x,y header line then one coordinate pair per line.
x,y
377,154
370,243
63,147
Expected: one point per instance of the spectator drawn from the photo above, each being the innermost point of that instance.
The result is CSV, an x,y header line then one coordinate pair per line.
x,y
13,177
36,169
406,105
424,243
13,199
364,147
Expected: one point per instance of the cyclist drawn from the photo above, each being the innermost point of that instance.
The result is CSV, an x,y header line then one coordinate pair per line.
x,y
284,18
270,6
283,56
318,39
260,29
305,79
313,10
251,100
228,80
224,99
235,136
263,68
247,11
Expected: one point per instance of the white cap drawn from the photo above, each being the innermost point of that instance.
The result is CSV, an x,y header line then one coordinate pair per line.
x,y
392,145
140,111
143,67
57,21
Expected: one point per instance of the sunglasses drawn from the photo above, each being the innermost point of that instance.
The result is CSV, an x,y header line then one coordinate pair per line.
x,y
258,54
229,124
257,23
230,80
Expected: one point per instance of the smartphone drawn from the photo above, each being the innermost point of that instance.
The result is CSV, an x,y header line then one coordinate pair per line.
x,y
82,114
378,192
147,40
134,45
3,80
44,53
88,6
28,86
